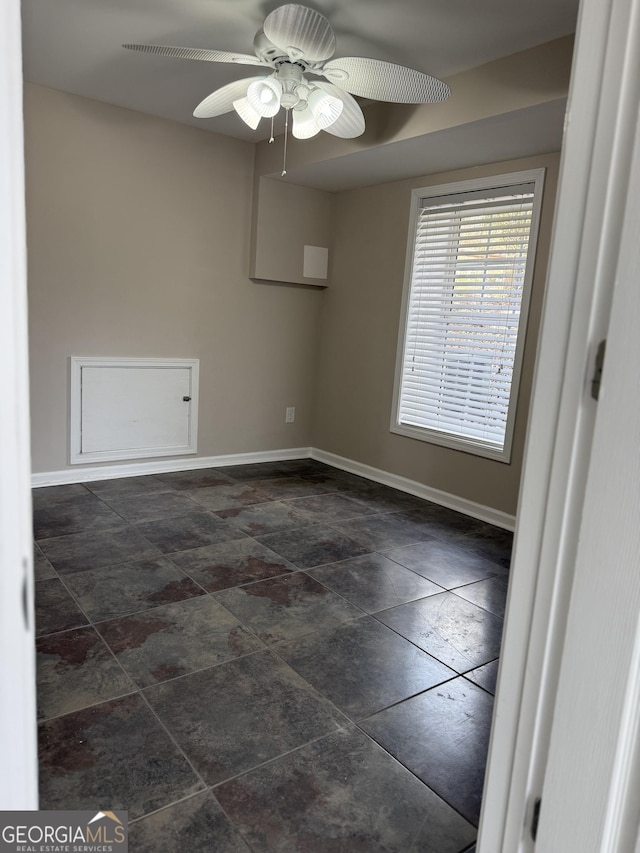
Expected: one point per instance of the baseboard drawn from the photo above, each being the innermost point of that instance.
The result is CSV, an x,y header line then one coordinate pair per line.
x,y
86,474
475,510
136,469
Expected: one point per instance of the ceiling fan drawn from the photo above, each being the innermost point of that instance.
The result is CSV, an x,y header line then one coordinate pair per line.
x,y
296,43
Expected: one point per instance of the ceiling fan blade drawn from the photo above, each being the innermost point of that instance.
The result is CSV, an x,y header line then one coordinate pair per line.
x,y
350,122
301,32
384,81
221,101
196,53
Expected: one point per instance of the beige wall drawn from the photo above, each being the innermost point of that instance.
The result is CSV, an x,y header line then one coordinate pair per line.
x,y
286,218
138,238
359,332
138,245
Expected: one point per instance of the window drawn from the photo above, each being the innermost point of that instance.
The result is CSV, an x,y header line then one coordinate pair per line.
x,y
466,296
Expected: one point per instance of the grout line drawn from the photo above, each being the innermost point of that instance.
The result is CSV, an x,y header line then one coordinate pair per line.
x,y
406,699
415,775
169,734
205,793
276,758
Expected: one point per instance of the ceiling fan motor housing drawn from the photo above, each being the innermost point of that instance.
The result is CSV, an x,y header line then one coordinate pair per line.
x,y
295,89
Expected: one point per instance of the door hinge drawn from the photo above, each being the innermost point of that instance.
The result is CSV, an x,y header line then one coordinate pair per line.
x,y
535,817
597,373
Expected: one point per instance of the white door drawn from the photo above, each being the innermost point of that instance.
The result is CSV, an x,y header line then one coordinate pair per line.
x,y
18,768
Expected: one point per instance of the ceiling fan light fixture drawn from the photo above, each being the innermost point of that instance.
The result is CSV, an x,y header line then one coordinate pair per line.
x,y
264,96
326,108
247,113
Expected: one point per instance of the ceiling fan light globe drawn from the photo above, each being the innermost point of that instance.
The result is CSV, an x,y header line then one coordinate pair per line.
x,y
326,108
246,112
264,96
304,124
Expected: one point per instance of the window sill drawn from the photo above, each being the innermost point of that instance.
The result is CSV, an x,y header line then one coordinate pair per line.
x,y
443,439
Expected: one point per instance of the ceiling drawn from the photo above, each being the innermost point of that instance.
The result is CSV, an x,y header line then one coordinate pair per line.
x,y
75,46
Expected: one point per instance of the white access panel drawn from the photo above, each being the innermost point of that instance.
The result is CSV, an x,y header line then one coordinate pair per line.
x,y
132,408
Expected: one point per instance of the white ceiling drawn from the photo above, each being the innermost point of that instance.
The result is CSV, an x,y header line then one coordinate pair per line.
x,y
75,46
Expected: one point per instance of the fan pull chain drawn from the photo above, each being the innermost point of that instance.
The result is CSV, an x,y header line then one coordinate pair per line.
x,y
286,131
271,139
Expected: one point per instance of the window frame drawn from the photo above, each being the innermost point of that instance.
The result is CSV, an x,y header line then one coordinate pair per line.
x,y
441,437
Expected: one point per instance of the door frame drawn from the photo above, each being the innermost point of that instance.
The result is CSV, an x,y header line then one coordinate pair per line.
x,y
18,748
595,167
592,780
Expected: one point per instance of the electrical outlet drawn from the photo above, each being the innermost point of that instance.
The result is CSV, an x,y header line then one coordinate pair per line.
x,y
290,415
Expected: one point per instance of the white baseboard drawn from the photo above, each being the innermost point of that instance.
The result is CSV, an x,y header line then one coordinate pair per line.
x,y
87,474
136,469
475,510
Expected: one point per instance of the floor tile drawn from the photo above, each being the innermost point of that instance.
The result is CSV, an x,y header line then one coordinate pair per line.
x,y
73,515
229,564
490,594
491,542
227,496
75,669
443,522
81,552
454,631
286,607
187,531
266,518
326,509
341,794
257,470
130,587
126,487
363,667
42,568
283,488
313,546
196,824
48,494
197,479
149,507
303,467
55,609
445,563
176,639
235,716
373,582
383,498
442,736
116,755
334,479
485,676
379,532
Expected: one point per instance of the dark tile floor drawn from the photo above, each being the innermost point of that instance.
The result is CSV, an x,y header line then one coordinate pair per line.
x,y
272,657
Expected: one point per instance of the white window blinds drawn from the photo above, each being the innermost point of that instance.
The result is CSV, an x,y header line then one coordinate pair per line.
x,y
463,312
